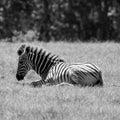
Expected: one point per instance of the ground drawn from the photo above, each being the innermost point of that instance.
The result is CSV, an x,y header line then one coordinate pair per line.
x,y
18,102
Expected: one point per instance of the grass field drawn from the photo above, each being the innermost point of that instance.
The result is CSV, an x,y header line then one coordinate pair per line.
x,y
19,102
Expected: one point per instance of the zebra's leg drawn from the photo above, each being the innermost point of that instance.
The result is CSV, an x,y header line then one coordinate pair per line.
x,y
49,82
35,83
38,83
77,80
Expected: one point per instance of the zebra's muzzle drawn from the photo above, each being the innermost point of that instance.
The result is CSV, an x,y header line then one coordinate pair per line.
x,y
19,77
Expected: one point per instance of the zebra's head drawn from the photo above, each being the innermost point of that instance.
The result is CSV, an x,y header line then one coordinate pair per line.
x,y
24,64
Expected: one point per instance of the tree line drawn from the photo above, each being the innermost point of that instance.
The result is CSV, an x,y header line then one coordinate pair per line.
x,y
85,20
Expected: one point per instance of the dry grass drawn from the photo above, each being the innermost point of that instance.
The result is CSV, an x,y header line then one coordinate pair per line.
x,y
19,102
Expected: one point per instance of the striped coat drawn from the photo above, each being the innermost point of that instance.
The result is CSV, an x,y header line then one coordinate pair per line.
x,y
54,70
76,74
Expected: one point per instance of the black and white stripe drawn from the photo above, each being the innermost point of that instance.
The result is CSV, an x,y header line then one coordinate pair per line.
x,y
76,74
54,70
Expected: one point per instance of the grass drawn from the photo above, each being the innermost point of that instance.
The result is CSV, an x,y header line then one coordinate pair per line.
x,y
19,102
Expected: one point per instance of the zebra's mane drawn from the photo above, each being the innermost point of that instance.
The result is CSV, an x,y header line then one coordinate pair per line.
x,y
21,50
48,55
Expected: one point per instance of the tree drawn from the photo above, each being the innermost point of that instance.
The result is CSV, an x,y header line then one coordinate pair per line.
x,y
62,19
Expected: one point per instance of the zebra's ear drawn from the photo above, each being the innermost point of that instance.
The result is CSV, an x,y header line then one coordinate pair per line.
x,y
21,50
28,49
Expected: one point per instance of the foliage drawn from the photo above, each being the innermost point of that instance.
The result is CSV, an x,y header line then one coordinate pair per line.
x,y
62,19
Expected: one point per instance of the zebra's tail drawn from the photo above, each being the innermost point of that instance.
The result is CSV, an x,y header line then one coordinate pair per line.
x,y
100,81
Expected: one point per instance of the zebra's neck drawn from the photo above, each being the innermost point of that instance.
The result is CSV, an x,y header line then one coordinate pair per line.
x,y
42,62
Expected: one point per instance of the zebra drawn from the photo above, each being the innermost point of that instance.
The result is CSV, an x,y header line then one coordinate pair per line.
x,y
54,70
30,58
